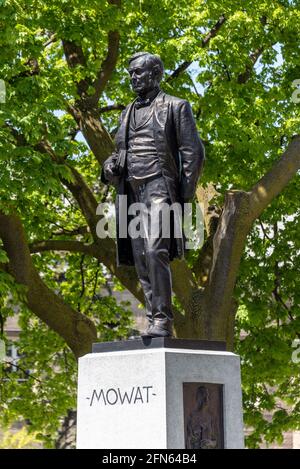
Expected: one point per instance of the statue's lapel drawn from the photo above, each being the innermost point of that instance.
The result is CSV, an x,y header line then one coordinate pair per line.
x,y
161,110
121,135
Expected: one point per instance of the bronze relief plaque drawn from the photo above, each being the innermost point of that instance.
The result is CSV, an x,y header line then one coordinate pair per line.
x,y
203,415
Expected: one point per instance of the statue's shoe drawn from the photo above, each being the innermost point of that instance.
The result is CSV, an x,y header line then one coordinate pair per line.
x,y
147,331
160,328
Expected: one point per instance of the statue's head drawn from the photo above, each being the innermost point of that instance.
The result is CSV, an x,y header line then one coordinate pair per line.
x,y
202,397
146,71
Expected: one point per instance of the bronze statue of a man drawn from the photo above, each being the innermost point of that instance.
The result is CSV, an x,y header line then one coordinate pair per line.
x,y
158,160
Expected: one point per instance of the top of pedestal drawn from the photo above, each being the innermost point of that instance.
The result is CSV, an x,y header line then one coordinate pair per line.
x,y
143,343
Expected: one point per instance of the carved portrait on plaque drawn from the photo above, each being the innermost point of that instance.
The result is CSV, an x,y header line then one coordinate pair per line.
x,y
203,415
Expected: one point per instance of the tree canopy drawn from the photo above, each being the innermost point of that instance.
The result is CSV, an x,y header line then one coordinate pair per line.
x,y
64,68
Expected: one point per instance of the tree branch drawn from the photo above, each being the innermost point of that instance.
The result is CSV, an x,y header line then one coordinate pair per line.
x,y
74,57
81,230
61,245
244,77
241,209
228,246
183,290
108,64
76,329
272,183
51,40
211,214
112,107
204,43
103,249
33,70
253,58
97,137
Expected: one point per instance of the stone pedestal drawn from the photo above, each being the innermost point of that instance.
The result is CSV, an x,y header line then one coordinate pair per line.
x,y
158,394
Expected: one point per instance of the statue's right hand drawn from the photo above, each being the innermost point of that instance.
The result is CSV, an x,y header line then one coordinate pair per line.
x,y
109,173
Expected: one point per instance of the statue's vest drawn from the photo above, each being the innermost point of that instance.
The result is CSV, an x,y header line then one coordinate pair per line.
x,y
142,158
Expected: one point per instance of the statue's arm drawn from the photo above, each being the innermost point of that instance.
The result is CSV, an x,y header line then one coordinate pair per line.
x,y
108,172
191,150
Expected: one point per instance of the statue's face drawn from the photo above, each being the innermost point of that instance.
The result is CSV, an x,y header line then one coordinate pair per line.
x,y
202,399
142,76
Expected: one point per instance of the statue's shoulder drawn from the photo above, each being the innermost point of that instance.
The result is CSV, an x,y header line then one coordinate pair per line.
x,y
126,108
124,112
173,100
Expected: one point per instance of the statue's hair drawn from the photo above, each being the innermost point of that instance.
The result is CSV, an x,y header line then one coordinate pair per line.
x,y
153,59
